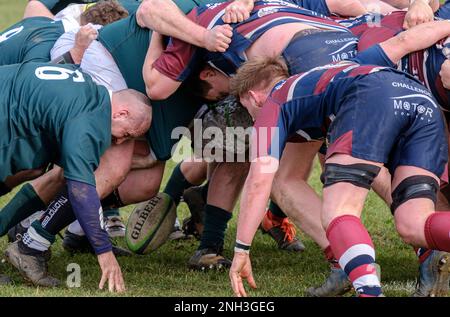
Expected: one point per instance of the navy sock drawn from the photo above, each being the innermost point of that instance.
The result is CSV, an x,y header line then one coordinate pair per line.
x,y
276,210
215,221
177,184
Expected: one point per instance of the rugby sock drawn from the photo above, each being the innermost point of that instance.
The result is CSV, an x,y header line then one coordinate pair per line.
x,y
59,214
112,201
41,235
329,255
177,184
437,231
25,203
36,239
215,220
354,249
276,210
111,212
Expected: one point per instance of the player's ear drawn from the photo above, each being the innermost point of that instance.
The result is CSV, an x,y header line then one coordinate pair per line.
x,y
121,114
254,97
207,73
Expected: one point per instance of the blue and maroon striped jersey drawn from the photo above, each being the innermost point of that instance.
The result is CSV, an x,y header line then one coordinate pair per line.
x,y
180,59
424,65
304,106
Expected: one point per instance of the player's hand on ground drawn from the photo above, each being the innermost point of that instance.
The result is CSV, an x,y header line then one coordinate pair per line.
x,y
241,269
218,38
419,12
111,273
238,11
85,36
445,74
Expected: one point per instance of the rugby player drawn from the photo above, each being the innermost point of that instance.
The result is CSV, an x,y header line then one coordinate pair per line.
x,y
306,102
130,73
32,38
60,8
61,116
297,161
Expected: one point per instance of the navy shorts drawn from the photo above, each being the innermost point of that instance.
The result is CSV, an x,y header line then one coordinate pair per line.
x,y
318,48
390,118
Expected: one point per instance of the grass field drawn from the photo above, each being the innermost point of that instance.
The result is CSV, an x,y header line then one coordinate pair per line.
x,y
164,272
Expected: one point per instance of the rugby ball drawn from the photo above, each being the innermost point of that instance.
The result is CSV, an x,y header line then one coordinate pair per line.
x,y
150,224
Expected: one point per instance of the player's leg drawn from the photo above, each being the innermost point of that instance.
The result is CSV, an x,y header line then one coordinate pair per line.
x,y
347,182
225,186
418,224
31,198
30,255
185,182
296,164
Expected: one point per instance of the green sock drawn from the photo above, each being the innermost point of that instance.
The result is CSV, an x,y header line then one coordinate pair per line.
x,y
177,184
111,212
276,210
216,221
25,203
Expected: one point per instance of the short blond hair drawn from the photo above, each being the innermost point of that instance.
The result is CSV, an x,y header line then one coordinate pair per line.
x,y
259,72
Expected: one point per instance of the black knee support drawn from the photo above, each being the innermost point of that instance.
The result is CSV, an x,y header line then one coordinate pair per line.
x,y
361,175
112,201
419,186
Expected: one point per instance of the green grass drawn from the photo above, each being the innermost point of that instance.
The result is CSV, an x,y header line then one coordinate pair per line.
x,y
164,272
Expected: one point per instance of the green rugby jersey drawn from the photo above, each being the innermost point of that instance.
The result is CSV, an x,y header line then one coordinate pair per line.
x,y
52,113
57,5
128,44
29,40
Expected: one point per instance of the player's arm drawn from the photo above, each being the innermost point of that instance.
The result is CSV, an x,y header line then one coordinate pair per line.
x,y
81,41
417,38
36,8
166,18
255,194
346,8
83,141
420,11
158,85
86,206
445,74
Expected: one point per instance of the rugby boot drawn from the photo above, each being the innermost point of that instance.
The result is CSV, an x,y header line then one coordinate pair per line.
x,y
16,233
282,231
177,233
434,275
115,227
33,267
193,225
208,259
74,243
337,284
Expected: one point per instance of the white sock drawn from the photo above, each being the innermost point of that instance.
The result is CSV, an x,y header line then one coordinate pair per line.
x,y
35,241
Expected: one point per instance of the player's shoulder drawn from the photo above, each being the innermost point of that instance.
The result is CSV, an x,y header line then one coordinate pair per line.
x,y
283,91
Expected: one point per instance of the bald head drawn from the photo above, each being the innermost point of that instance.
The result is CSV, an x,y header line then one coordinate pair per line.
x,y
131,114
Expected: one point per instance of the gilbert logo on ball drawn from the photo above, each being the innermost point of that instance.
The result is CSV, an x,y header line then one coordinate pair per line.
x,y
150,224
